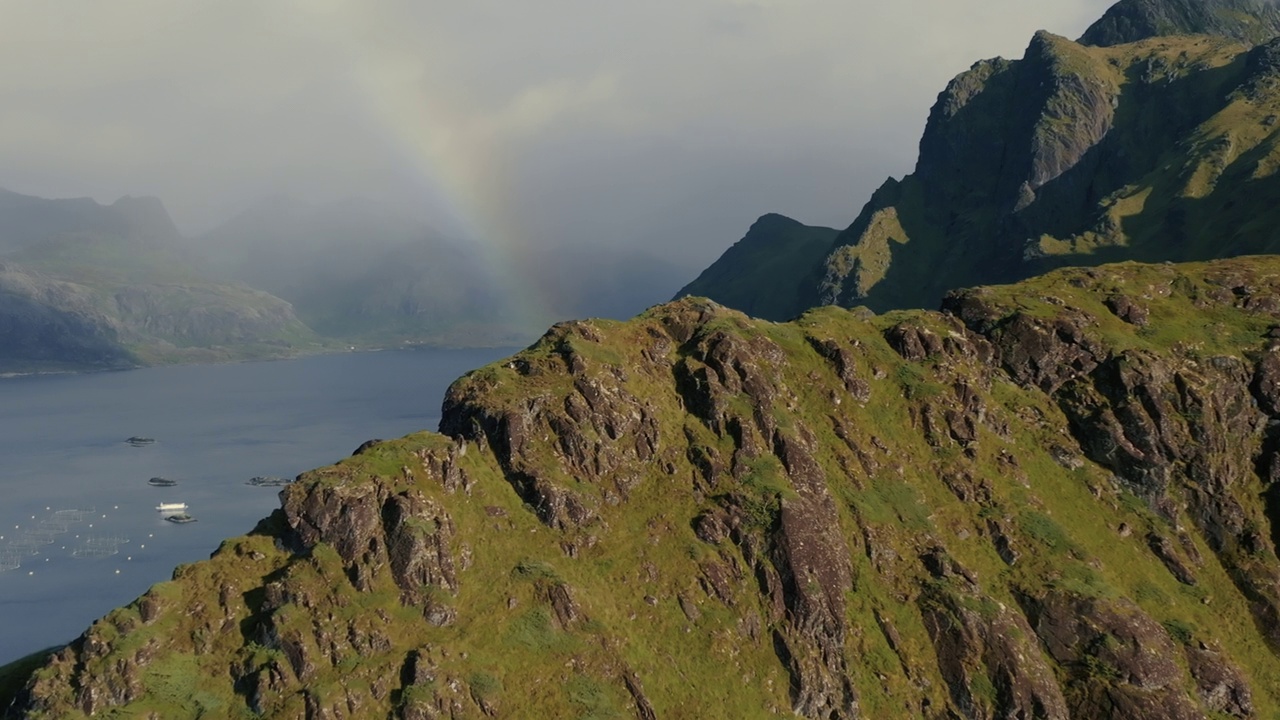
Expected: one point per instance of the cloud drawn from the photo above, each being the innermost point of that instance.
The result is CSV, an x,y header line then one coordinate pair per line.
x,y
669,122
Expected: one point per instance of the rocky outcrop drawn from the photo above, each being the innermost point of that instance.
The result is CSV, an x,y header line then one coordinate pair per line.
x,y
1027,505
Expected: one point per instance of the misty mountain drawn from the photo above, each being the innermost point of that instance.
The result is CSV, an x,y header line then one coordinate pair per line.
x,y
357,270
1161,149
604,280
84,285
30,222
286,246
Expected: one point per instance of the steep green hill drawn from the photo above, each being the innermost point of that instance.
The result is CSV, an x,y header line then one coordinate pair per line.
x,y
1165,148
1055,499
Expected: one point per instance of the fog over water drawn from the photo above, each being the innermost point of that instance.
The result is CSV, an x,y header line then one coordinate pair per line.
x,y
666,124
62,441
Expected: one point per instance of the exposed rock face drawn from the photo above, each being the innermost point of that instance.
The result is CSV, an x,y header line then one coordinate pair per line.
x,y
1026,506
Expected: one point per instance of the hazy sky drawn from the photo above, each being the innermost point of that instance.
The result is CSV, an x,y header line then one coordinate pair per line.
x,y
672,123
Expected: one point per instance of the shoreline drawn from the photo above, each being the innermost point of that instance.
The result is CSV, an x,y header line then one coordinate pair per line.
x,y
408,347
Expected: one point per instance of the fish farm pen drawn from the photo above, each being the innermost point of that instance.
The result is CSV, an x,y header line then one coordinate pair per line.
x,y
22,543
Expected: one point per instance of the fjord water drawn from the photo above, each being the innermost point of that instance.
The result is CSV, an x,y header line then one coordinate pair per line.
x,y
62,447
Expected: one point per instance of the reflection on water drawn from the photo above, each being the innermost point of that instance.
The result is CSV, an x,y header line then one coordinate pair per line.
x,y
79,527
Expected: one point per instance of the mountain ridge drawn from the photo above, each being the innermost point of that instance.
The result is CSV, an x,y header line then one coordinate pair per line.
x,y
1052,499
1158,149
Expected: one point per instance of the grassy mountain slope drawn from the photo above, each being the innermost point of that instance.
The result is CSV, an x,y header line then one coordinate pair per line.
x,y
1054,499
1163,148
357,271
1072,155
87,286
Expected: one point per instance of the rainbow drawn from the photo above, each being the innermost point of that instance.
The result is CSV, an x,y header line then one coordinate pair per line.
x,y
454,158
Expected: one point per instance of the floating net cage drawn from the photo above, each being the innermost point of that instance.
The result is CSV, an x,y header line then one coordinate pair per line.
x,y
24,545
40,536
55,524
99,546
94,552
73,516
48,530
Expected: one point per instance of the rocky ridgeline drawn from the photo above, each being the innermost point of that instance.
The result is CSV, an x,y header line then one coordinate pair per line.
x,y
1056,499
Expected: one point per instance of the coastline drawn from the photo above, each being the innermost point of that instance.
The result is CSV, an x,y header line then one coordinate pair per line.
x,y
513,346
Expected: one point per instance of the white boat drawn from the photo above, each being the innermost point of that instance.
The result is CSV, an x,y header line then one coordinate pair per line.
x,y
171,507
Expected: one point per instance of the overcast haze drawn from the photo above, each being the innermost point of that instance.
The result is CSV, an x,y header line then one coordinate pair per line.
x,y
672,123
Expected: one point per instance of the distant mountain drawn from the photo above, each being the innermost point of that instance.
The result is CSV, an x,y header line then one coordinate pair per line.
x,y
84,286
31,221
359,271
1166,148
758,274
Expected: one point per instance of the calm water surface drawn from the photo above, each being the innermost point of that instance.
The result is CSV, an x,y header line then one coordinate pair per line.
x,y
62,448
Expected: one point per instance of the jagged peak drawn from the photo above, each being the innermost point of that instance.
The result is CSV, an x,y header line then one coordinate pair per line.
x,y
773,221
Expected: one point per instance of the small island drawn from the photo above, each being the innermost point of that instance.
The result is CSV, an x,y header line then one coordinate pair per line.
x,y
267,481
139,441
180,518
161,482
